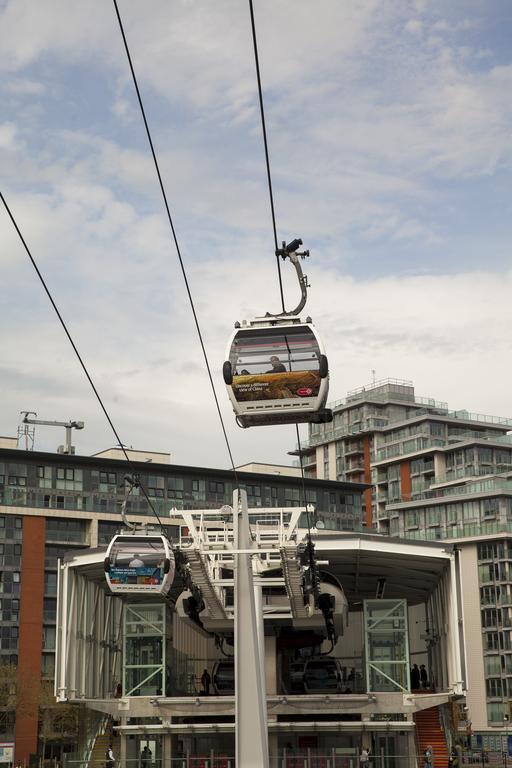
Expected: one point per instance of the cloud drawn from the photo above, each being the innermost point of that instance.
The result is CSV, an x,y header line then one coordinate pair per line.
x,y
7,136
449,333
23,86
390,154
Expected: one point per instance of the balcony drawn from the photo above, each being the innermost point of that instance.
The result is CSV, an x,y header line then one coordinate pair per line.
x,y
354,450
470,472
82,501
460,531
493,484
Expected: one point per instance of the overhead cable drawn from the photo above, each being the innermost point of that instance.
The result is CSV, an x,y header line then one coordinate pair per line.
x,y
77,353
174,236
265,144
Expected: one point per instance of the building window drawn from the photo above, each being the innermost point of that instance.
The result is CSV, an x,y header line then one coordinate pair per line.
x,y
496,710
108,482
63,529
489,617
49,609
485,455
488,595
49,638
198,490
156,486
17,474
175,487
492,641
50,584
491,550
292,497
48,665
432,516
44,475
490,507
494,687
69,479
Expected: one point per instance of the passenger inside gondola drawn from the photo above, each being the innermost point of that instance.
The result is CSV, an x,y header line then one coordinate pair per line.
x,y
277,365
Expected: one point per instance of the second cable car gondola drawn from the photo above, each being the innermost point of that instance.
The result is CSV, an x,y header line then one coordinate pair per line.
x,y
276,371
140,562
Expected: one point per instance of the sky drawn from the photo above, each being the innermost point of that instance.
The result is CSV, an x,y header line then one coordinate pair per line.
x,y
389,128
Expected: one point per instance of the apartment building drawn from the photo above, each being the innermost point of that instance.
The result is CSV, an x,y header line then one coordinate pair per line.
x,y
51,503
440,475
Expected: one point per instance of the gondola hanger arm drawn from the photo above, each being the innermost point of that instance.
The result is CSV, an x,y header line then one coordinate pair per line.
x,y
291,252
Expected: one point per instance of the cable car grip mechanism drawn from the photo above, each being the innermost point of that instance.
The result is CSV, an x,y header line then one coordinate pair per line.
x,y
290,252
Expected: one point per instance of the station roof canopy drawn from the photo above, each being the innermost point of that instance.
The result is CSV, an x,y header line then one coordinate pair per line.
x,y
365,564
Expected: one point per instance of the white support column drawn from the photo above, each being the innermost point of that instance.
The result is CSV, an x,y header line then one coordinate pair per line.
x,y
123,745
250,698
455,622
63,639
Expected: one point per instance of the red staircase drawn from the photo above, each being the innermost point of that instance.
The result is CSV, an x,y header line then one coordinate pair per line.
x,y
430,733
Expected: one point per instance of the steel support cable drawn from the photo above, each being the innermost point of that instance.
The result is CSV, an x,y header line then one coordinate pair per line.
x,y
77,353
175,238
265,143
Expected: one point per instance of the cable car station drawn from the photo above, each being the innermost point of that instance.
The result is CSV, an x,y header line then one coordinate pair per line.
x,y
296,675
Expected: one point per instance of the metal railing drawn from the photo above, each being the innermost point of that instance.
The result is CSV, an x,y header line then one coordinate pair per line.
x,y
460,531
468,473
472,487
284,758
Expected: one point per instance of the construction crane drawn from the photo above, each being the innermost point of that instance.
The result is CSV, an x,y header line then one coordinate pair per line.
x,y
68,426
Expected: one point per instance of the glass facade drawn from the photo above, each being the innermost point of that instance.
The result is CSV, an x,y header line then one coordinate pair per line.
x,y
11,530
45,485
144,650
386,643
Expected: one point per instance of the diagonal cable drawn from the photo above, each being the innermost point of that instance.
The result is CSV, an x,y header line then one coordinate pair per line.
x,y
174,236
77,353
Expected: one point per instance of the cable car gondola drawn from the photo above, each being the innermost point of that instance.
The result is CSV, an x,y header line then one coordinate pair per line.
x,y
139,562
276,371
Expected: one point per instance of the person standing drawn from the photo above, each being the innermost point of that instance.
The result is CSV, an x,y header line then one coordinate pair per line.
x,y
364,758
423,676
205,682
428,757
145,757
415,677
109,757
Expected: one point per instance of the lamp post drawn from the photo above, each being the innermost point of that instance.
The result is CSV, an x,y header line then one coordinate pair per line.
x,y
505,723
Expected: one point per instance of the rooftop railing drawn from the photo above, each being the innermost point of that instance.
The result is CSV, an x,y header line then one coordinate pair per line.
x,y
431,408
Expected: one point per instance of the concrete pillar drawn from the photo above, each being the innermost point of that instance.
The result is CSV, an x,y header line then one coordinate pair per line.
x,y
411,750
123,747
270,665
439,465
320,462
273,750
167,748
93,533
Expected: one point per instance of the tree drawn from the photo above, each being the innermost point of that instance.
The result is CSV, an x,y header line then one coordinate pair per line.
x,y
21,694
